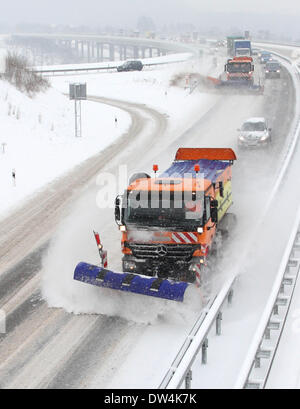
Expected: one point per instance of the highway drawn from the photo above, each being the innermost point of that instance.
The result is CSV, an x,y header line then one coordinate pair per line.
x,y
83,345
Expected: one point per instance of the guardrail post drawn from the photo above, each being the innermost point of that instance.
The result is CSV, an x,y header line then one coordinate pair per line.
x,y
267,333
218,323
188,379
204,351
257,362
230,296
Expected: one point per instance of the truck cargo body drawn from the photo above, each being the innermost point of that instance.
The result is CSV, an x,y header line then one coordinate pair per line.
x,y
242,48
230,44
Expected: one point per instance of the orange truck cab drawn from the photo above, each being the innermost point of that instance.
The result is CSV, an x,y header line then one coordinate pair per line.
x,y
169,222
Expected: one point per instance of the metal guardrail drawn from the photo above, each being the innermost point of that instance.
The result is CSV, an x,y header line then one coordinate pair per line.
x,y
181,368
287,275
100,68
271,43
269,324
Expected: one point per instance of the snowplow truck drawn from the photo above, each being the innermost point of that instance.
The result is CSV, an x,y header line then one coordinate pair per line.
x,y
239,71
169,225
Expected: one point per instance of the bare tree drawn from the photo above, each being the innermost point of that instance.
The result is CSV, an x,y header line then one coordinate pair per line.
x,y
18,73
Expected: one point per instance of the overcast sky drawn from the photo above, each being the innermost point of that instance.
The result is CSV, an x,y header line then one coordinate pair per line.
x,y
126,12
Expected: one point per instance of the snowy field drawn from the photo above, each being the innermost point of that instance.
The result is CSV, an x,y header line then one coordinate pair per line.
x,y
151,87
37,139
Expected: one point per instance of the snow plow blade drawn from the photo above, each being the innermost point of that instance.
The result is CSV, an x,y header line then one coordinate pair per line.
x,y
134,283
242,85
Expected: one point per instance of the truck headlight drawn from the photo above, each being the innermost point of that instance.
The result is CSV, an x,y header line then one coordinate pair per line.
x,y
200,230
193,267
129,265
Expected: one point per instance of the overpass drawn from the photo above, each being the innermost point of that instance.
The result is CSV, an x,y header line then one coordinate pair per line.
x,y
100,48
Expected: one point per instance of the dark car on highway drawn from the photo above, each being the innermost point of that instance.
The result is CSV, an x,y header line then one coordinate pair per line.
x,y
130,66
265,57
272,69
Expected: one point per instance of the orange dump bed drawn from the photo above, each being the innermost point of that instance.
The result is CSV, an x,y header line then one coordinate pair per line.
x,y
205,153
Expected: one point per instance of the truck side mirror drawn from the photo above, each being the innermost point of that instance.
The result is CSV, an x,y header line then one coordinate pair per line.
x,y
225,67
118,210
252,67
221,187
214,211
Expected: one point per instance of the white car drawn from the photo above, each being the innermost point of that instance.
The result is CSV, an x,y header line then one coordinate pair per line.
x,y
254,132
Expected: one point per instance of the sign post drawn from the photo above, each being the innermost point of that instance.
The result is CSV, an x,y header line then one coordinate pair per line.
x,y
77,92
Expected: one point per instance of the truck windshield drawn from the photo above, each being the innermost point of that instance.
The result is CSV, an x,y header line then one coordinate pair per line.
x,y
242,51
164,209
239,67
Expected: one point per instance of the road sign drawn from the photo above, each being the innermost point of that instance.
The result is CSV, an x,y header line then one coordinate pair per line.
x,y
77,91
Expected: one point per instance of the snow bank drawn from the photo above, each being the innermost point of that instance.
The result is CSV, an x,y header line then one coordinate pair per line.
x,y
37,139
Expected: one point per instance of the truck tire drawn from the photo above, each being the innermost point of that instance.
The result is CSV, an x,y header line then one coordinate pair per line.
x,y
140,175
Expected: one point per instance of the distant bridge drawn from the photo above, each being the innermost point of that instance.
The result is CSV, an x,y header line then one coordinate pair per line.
x,y
100,48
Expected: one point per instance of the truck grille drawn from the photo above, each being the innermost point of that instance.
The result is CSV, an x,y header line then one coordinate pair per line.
x,y
163,251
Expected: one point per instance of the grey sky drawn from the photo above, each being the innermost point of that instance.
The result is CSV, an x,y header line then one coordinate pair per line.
x,y
125,12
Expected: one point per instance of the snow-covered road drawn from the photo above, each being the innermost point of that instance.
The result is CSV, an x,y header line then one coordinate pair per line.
x,y
48,347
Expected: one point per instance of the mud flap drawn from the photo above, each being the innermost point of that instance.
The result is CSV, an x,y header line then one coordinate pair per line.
x,y
135,283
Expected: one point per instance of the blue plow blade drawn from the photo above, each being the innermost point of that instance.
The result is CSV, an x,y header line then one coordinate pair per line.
x,y
134,283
